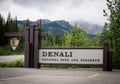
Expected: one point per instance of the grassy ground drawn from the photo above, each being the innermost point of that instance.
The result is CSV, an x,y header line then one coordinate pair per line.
x,y
66,66
17,63
20,63
6,50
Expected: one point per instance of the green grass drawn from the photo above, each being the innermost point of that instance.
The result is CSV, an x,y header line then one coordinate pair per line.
x,y
20,63
6,50
17,63
66,66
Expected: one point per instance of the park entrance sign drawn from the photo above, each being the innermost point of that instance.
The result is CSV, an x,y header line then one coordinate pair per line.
x,y
71,56
35,55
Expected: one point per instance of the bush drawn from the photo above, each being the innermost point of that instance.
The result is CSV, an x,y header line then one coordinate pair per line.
x,y
6,50
3,51
17,63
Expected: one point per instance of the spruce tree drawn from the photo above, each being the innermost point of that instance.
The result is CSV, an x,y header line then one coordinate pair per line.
x,y
27,24
2,30
111,31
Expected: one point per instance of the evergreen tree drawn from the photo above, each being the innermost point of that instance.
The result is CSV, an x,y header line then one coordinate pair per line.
x,y
39,24
1,25
96,40
8,23
111,31
2,30
15,26
10,26
27,24
48,41
77,37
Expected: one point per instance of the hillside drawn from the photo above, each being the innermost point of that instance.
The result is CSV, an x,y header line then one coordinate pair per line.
x,y
62,26
90,28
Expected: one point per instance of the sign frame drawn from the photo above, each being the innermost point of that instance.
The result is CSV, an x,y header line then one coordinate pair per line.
x,y
107,57
100,48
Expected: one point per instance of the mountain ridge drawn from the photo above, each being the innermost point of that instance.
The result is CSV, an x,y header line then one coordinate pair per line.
x,y
62,26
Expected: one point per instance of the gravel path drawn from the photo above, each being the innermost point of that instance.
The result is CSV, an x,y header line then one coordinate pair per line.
x,y
11,58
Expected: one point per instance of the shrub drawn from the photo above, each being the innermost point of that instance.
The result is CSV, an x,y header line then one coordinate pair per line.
x,y
17,63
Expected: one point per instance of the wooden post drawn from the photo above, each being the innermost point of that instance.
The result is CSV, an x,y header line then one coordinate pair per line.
x,y
27,48
110,61
105,56
31,46
32,36
39,45
36,48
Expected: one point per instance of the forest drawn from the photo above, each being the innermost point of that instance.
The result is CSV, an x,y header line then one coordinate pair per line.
x,y
76,37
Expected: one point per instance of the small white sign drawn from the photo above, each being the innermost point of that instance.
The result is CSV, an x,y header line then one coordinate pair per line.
x,y
71,56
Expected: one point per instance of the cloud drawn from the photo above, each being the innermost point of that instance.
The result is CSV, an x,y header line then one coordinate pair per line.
x,y
87,10
5,5
40,4
46,5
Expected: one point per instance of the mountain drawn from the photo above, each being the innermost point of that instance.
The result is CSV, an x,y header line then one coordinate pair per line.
x,y
90,28
44,21
62,26
22,22
57,27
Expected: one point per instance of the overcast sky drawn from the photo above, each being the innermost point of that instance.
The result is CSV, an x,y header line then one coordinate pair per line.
x,y
70,10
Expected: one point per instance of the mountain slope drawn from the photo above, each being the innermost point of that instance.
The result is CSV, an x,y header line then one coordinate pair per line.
x,y
57,27
90,28
61,26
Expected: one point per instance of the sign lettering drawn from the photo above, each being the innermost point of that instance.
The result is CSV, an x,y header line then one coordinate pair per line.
x,y
71,56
